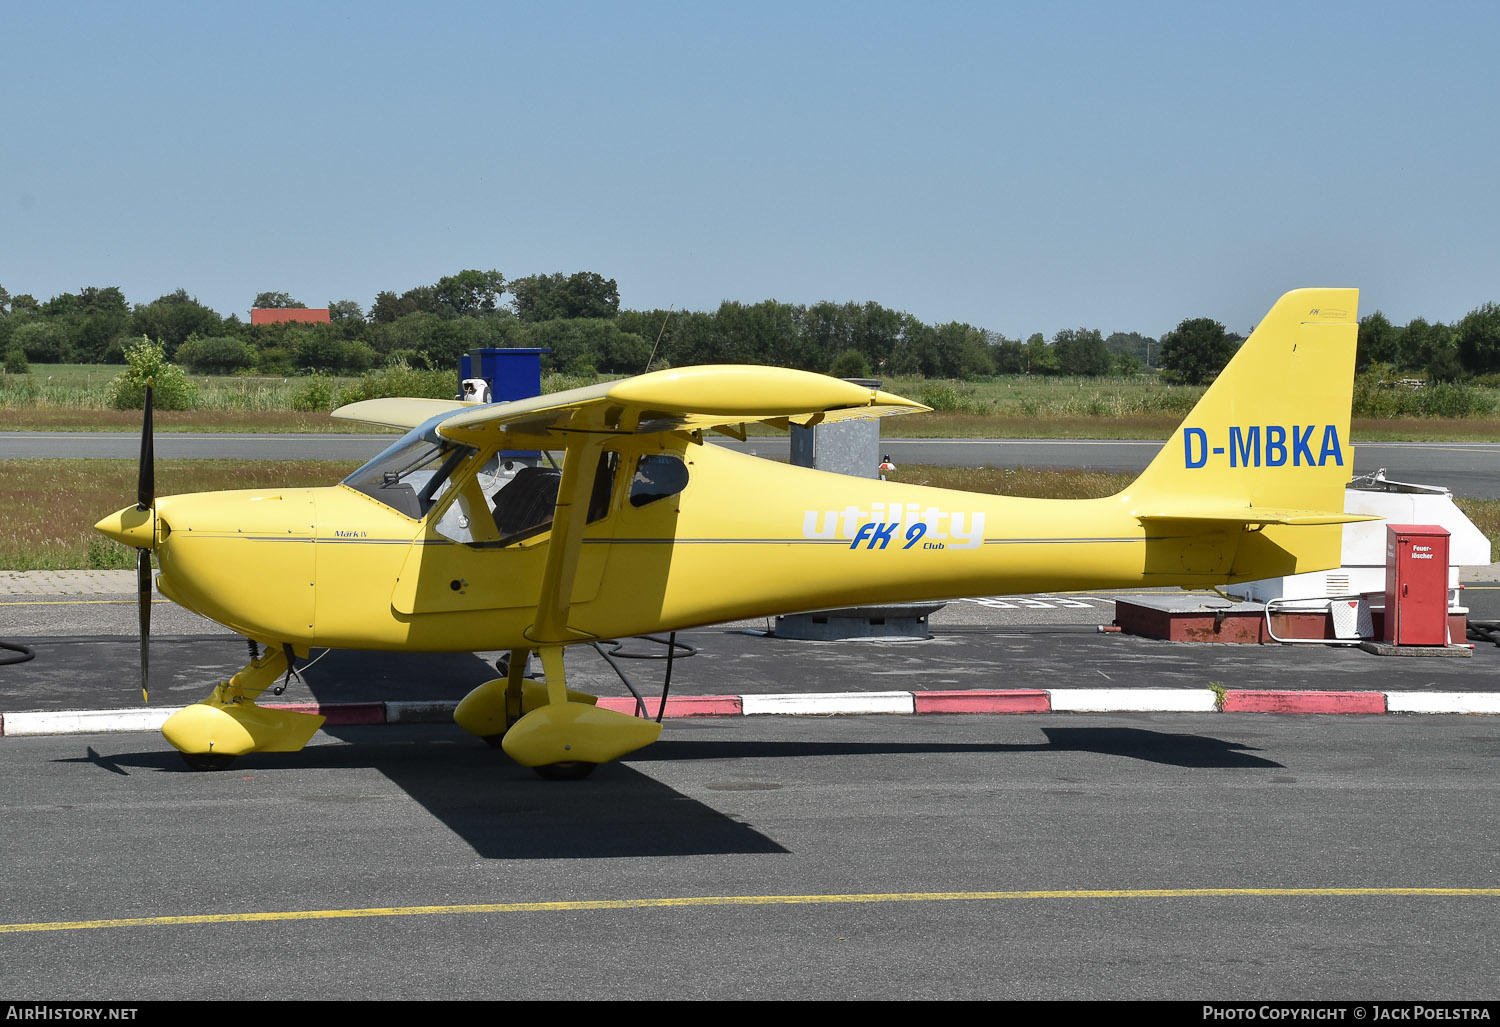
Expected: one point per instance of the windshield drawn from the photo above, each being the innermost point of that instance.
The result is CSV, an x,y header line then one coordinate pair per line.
x,y
412,474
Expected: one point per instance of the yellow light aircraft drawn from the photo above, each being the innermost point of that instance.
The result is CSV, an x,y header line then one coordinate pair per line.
x,y
646,527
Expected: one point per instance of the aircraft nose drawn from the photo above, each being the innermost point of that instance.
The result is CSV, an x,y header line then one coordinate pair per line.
x,y
131,526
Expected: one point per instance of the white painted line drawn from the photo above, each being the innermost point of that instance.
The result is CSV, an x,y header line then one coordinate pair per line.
x,y
83,722
1139,700
1438,702
419,712
830,702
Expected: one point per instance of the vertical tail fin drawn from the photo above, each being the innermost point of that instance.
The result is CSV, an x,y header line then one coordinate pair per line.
x,y
1252,482
1272,430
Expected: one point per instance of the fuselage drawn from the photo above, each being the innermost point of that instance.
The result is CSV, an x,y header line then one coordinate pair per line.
x,y
730,536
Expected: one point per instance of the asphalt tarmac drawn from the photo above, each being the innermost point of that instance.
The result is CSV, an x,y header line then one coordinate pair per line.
x,y
1148,856
87,658
1187,856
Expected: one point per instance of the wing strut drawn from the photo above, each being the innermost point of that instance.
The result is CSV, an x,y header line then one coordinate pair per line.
x,y
580,464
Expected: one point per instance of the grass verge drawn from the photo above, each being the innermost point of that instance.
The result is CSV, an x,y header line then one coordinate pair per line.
x,y
72,397
49,506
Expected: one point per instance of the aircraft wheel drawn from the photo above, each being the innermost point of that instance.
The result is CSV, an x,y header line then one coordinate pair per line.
x,y
573,770
207,760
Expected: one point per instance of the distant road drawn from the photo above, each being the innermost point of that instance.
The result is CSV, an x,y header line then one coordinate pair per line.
x,y
1468,468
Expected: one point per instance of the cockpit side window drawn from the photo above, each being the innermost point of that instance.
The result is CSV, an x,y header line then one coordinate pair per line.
x,y
525,505
657,476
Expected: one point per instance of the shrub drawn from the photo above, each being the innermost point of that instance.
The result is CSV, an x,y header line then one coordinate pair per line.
x,y
215,355
316,392
1376,394
171,389
850,364
15,361
951,399
400,380
107,554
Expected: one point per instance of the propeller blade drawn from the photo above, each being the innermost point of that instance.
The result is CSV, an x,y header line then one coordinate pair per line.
x,y
143,592
145,499
145,490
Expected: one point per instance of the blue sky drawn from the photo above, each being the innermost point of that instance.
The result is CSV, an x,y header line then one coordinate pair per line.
x,y
1022,167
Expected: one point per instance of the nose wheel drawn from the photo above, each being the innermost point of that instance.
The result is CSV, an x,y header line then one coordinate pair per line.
x,y
207,760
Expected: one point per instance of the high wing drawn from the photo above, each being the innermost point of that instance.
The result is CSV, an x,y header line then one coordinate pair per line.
x,y
711,396
398,413
582,422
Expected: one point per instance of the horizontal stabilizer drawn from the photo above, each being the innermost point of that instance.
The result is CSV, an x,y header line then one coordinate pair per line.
x,y
1258,515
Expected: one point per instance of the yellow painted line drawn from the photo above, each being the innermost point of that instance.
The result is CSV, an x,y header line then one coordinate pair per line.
x,y
77,602
742,900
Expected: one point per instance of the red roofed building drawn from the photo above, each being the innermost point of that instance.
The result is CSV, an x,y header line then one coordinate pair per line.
x,y
280,315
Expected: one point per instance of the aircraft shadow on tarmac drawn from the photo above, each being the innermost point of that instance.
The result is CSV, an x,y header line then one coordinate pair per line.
x,y
501,809
1164,747
504,812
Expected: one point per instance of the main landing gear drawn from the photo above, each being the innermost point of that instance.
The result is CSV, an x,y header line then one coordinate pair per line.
x,y
559,733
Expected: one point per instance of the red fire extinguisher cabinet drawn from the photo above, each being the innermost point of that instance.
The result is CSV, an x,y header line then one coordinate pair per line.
x,y
1416,584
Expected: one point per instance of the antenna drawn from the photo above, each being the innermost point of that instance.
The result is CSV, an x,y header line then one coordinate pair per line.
x,y
658,339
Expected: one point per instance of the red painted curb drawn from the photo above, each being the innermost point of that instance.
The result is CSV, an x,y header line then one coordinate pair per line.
x,y
346,713
1251,701
685,706
1013,700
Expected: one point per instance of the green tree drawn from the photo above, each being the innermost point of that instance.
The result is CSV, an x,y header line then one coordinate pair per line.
x,y
389,307
694,338
345,312
276,301
1039,356
1009,356
1444,366
348,319
322,347
44,341
1134,344
584,294
103,320
1081,351
1421,344
1195,351
766,333
471,293
172,318
586,346
1478,338
1379,341
655,327
957,350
